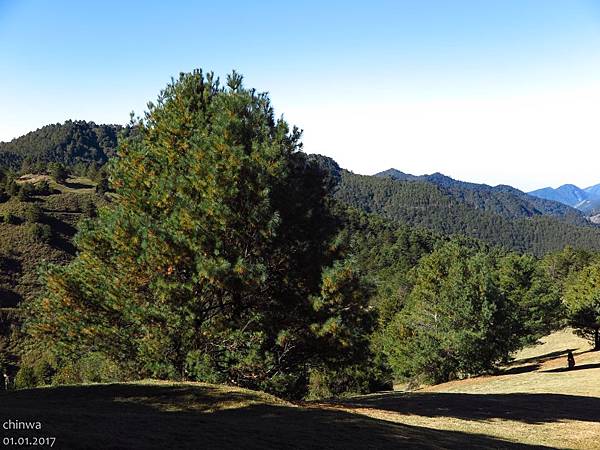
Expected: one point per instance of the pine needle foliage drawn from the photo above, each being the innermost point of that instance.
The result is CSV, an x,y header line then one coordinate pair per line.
x,y
216,260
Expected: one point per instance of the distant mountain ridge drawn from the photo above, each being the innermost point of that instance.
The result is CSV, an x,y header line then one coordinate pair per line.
x,y
502,199
500,215
586,200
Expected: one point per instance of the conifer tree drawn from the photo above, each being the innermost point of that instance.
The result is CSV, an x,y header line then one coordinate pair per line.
x,y
582,299
58,172
456,321
208,265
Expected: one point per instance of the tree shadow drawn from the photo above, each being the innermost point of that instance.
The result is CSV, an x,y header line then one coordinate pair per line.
x,y
522,365
542,358
180,417
63,244
519,369
60,226
526,408
78,185
10,265
9,299
62,234
566,369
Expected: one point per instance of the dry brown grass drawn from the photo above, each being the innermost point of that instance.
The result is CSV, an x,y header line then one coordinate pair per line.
x,y
533,401
32,178
80,185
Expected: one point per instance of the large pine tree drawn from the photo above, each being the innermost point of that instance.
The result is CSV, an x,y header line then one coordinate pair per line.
x,y
209,264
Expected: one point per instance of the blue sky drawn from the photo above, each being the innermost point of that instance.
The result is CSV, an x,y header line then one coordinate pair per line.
x,y
495,91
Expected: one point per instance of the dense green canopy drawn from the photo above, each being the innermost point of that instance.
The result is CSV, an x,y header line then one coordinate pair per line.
x,y
216,261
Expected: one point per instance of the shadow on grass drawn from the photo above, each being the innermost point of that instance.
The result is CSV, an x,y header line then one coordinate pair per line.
x,y
519,369
63,233
526,408
548,356
63,244
154,416
78,185
9,299
566,369
543,358
60,226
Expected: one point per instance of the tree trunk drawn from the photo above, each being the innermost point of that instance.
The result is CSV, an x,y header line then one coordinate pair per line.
x,y
596,339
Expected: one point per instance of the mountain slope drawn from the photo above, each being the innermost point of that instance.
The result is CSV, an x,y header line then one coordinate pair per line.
x,y
593,190
569,194
504,200
22,251
396,175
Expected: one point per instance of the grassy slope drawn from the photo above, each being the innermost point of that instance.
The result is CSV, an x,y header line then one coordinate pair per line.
x,y
160,415
532,404
22,253
534,401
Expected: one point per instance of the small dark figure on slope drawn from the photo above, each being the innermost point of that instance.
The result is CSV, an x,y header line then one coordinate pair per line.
x,y
570,359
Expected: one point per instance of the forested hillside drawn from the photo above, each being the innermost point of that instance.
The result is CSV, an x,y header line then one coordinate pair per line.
x,y
70,143
501,216
504,200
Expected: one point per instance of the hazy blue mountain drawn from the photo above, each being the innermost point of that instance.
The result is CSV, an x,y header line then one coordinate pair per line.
x,y
593,190
548,193
586,200
569,194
